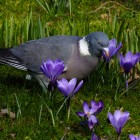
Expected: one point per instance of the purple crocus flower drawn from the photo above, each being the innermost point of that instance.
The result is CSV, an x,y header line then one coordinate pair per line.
x,y
52,69
99,105
113,49
88,113
129,61
68,88
118,120
133,137
94,137
138,53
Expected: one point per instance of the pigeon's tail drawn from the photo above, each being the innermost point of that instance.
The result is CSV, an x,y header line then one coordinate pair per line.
x,y
7,58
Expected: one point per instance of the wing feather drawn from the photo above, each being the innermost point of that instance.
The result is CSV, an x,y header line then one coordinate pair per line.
x,y
34,52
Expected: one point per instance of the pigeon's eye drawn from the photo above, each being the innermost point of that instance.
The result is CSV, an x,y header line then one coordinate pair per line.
x,y
98,42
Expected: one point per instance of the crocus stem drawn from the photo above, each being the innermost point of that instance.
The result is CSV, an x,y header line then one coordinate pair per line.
x,y
68,107
119,137
107,68
126,87
50,95
126,84
50,91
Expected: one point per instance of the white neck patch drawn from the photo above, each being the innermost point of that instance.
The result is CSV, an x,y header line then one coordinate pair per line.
x,y
83,47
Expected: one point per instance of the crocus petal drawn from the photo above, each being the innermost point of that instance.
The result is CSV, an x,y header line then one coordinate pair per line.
x,y
127,66
123,119
49,67
112,45
93,103
64,81
93,119
111,50
122,61
135,58
110,117
44,69
117,115
57,61
71,85
85,107
112,42
62,87
93,110
78,87
118,120
100,106
115,51
132,137
58,69
80,114
90,124
128,56
138,55
94,137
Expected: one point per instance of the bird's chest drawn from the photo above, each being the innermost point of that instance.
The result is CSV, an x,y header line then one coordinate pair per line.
x,y
80,67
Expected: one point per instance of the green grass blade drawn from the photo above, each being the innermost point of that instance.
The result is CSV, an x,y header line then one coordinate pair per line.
x,y
11,31
40,113
114,24
50,111
41,5
6,32
19,108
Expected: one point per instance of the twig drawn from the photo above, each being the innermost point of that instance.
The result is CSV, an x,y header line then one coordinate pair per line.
x,y
103,6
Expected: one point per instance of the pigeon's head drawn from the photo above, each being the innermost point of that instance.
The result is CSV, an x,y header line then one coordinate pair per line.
x,y
97,43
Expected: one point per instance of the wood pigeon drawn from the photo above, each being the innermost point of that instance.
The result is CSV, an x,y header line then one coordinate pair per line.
x,y
80,55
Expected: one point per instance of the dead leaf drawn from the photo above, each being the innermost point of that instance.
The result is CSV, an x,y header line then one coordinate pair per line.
x,y
104,138
13,135
5,112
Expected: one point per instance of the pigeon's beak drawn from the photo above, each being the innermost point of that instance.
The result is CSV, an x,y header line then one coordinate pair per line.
x,y
106,50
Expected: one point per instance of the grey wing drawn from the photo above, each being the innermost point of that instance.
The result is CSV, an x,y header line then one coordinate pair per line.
x,y
34,52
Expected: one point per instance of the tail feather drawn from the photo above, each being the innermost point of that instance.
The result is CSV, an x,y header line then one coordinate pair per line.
x,y
7,58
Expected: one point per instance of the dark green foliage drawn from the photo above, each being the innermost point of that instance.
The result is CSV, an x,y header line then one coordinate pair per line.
x,y
21,21
28,94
